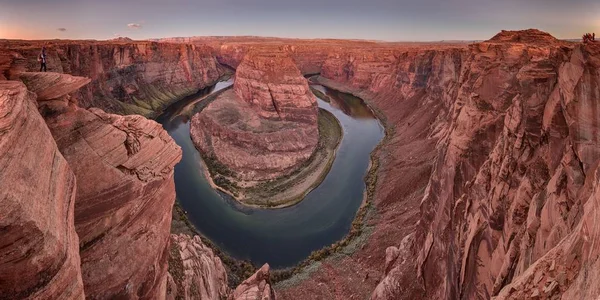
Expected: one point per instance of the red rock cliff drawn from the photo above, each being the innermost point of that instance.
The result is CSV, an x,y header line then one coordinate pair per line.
x,y
127,77
124,169
39,249
507,207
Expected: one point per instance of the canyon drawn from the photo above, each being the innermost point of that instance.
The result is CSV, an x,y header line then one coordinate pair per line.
x,y
485,185
263,129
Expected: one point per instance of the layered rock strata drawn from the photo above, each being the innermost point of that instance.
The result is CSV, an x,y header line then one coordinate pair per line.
x,y
126,77
39,249
124,169
266,126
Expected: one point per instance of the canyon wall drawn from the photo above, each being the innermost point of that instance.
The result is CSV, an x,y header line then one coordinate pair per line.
x,y
497,144
39,249
103,190
127,77
124,169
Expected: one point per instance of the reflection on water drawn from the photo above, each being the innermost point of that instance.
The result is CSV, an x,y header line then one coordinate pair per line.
x,y
349,104
286,236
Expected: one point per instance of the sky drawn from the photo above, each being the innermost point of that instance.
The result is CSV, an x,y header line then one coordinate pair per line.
x,y
389,20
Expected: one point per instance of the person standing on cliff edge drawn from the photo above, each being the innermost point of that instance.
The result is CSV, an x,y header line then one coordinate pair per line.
x,y
42,59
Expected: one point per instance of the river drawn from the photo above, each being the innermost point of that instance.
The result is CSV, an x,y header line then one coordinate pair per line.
x,y
282,237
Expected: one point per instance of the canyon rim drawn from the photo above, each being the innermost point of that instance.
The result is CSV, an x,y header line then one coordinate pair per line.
x,y
246,167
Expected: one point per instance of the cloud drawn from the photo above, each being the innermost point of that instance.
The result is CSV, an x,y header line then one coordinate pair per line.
x,y
134,25
62,29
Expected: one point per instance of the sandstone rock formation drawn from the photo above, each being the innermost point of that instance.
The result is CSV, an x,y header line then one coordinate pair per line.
x,y
257,287
508,192
124,169
195,272
274,87
39,253
266,127
127,77
50,86
506,208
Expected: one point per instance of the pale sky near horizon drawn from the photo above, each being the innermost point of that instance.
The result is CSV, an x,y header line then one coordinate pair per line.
x,y
391,20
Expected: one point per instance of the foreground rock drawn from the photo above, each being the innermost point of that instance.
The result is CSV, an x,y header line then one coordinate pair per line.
x,y
266,127
257,287
124,170
195,272
39,252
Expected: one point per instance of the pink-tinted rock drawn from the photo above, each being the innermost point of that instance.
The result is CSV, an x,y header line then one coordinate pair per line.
x,y
50,86
124,170
127,77
267,126
197,273
257,287
272,84
39,251
512,177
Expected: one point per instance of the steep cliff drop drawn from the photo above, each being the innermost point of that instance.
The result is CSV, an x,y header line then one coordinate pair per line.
x,y
263,129
39,252
509,205
126,77
124,169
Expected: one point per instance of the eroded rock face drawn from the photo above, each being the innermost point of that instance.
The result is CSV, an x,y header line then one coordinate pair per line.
x,y
124,169
257,287
266,127
195,272
514,171
39,249
272,84
127,77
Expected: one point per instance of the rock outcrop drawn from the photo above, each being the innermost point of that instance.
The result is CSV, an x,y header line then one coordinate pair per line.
x,y
39,252
257,287
50,86
127,77
506,205
274,87
124,170
266,127
195,272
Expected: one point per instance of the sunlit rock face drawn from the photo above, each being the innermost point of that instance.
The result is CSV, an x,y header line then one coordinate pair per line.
x,y
266,126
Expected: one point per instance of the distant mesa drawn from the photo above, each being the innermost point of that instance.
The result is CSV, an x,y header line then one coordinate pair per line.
x,y
122,39
529,36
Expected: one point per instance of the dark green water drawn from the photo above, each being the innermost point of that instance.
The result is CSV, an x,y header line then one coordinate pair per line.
x,y
282,237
